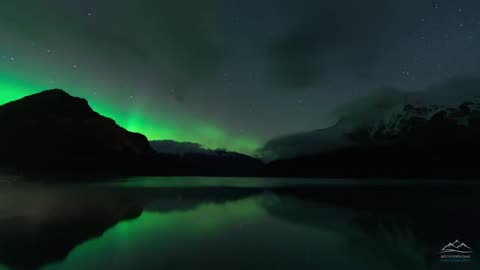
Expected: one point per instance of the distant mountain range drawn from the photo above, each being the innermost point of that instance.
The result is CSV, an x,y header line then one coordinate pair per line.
x,y
178,148
188,148
381,116
53,132
194,159
412,140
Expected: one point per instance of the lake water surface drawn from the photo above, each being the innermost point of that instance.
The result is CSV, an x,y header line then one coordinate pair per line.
x,y
238,223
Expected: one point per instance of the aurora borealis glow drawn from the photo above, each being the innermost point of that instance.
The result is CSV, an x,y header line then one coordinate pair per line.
x,y
232,74
135,119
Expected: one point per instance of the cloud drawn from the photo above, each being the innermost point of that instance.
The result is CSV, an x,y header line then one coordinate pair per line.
x,y
451,92
378,101
169,42
379,105
348,30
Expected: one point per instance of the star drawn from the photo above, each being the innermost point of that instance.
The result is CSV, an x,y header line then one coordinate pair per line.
x,y
298,54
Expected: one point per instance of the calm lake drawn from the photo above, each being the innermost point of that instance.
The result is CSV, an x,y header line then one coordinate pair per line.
x,y
239,223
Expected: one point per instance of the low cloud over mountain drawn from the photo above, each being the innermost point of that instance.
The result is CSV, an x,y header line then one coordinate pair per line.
x,y
387,111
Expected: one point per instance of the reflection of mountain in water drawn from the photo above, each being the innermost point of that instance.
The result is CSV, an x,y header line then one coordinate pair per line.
x,y
239,228
39,225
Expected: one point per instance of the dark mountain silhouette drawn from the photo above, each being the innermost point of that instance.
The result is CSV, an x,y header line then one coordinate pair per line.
x,y
416,141
198,160
178,148
54,133
52,130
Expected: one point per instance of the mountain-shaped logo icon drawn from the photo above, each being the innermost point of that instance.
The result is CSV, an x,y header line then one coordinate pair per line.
x,y
456,247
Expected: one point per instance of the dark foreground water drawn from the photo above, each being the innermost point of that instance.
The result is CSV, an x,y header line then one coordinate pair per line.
x,y
235,223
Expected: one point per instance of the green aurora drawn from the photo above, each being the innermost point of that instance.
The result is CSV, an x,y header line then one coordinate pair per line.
x,y
135,118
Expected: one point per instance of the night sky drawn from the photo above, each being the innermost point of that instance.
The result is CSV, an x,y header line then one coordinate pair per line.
x,y
232,74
